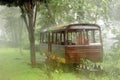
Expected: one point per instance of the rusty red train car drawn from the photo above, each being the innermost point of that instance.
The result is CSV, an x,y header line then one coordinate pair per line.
x,y
72,42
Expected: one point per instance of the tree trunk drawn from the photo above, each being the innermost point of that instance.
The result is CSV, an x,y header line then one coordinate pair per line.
x,y
30,20
32,41
31,32
32,49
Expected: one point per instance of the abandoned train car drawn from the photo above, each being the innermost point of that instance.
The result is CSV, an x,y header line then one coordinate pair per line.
x,y
72,42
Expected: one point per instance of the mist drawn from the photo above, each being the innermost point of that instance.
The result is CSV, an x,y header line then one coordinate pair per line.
x,y
21,56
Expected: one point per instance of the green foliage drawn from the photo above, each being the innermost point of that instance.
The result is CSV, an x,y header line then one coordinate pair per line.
x,y
114,6
12,61
19,2
59,12
116,38
116,44
111,64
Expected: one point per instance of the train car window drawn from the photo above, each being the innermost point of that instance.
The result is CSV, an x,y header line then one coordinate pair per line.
x,y
97,36
50,37
76,38
62,40
69,40
43,38
60,37
46,37
83,37
54,38
93,36
89,36
57,38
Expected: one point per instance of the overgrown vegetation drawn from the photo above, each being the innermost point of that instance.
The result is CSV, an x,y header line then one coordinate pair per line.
x,y
15,66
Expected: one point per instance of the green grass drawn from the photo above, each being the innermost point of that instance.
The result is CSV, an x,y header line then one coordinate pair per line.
x,y
16,66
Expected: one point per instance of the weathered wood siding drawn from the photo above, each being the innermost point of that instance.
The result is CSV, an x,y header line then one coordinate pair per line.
x,y
58,50
43,48
90,52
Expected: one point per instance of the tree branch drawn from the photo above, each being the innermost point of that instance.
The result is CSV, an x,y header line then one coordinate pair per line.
x,y
24,16
50,13
35,15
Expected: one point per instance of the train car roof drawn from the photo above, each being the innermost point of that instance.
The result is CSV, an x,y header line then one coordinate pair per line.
x,y
72,27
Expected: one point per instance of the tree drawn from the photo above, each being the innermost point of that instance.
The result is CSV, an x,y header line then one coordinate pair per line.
x,y
29,12
14,31
68,11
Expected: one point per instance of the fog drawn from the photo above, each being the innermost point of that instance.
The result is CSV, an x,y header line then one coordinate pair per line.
x,y
16,51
